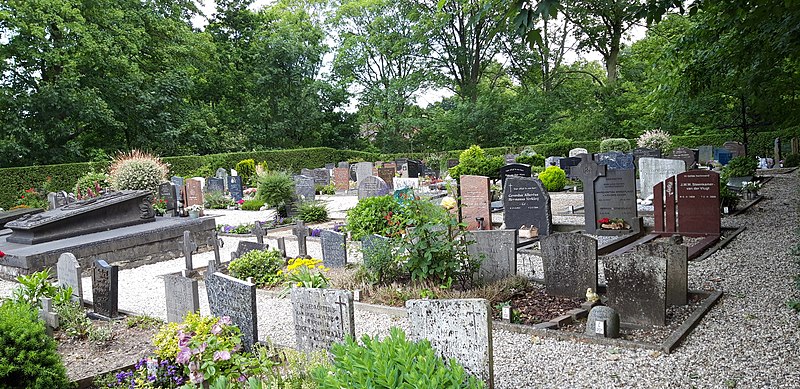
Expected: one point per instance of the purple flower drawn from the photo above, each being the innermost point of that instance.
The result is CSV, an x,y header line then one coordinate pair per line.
x,y
196,377
223,355
216,329
200,349
315,232
183,356
242,378
183,338
192,366
225,320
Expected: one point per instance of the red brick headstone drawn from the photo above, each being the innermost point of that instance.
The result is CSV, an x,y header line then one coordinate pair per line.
x,y
697,196
341,178
475,202
387,174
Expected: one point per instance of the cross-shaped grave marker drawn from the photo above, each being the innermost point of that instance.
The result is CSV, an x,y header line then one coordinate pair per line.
x,y
188,248
301,232
259,232
588,171
216,242
341,305
47,315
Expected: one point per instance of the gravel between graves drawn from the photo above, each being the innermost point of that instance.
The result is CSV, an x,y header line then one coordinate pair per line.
x,y
749,339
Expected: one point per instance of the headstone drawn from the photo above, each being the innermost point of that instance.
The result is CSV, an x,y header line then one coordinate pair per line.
x,y
644,152
370,244
636,287
414,168
179,184
684,154
588,171
387,175
259,232
341,178
722,156
304,188
552,161
105,289
221,174
372,186
459,328
655,170
475,202
343,165
698,202
189,247
215,185
334,251
169,192
577,151
570,264
602,322
736,148
510,158
68,270
514,169
244,247
281,243
182,297
194,194
403,183
527,203
566,164
499,251
330,166
322,317
677,257
616,160
306,172
216,242
235,187
363,170
705,154
48,315
228,296
321,176
301,232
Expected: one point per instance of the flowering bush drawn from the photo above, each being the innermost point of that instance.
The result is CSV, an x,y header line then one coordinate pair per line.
x,y
147,373
306,273
32,198
213,355
137,171
160,206
655,139
91,184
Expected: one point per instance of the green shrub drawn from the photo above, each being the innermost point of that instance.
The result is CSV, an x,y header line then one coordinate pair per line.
x,y
262,265
247,169
32,198
393,362
474,161
91,183
553,179
252,205
655,139
313,212
28,357
615,144
329,189
34,286
275,189
384,266
137,171
532,159
791,160
372,215
218,200
739,167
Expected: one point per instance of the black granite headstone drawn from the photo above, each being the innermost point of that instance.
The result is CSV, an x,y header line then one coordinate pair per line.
x,y
514,169
105,289
414,168
169,193
684,154
527,203
235,187
566,164
215,185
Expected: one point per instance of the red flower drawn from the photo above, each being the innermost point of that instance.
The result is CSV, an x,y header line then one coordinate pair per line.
x,y
603,220
2,254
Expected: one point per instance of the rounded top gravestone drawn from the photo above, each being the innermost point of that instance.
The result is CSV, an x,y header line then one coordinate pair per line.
x,y
603,321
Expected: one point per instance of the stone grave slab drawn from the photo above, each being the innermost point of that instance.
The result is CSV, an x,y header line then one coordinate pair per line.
x,y
304,188
527,203
68,271
235,187
105,289
232,297
363,170
499,250
321,176
387,175
341,178
372,186
459,328
636,287
182,297
570,264
334,249
514,169
475,202
343,164
322,317
15,214
655,170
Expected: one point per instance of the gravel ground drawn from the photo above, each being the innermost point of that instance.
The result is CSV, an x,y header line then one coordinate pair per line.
x,y
748,340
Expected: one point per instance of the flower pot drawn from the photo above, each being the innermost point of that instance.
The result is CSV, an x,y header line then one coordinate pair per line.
x,y
194,214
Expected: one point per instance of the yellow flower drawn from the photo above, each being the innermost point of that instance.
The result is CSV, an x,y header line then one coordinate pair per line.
x,y
299,284
449,202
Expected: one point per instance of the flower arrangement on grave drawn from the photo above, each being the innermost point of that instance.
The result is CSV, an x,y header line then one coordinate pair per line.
x,y
152,372
194,208
304,273
751,186
613,224
160,206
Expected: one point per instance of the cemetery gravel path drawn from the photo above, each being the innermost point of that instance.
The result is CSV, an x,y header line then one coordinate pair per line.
x,y
749,339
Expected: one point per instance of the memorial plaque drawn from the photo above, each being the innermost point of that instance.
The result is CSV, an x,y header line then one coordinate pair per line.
x,y
570,264
215,185
459,328
334,250
616,160
514,169
105,289
636,287
705,154
341,178
655,170
414,168
322,317
475,201
527,203
698,203
228,296
736,148
577,151
169,193
372,186
182,297
499,250
194,194
69,270
235,187
684,154
304,188
363,170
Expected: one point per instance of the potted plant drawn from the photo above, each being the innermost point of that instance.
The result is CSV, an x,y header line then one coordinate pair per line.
x,y
750,190
160,206
194,211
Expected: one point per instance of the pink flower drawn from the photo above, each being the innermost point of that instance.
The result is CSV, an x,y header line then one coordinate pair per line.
x,y
216,329
196,377
241,201
225,320
200,349
183,355
183,338
2,254
223,355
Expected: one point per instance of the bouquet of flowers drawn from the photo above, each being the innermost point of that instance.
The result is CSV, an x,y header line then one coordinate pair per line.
x,y
613,224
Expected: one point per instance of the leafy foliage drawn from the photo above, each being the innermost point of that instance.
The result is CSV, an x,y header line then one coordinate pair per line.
x,y
739,167
553,178
247,169
252,205
313,212
137,171
474,161
263,265
91,184
654,139
373,215
615,144
275,188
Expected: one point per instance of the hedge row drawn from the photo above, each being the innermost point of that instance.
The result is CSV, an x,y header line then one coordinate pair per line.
x,y
63,177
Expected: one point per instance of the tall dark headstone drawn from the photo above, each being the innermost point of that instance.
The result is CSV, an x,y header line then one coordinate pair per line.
x,y
105,289
615,194
228,296
566,164
179,184
321,176
588,171
736,148
698,202
334,250
514,169
169,193
215,185
235,187
686,155
527,203
194,194
301,232
570,264
414,168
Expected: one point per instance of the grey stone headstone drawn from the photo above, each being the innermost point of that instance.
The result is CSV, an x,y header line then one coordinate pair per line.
x,y
244,247
321,176
48,315
228,296
258,231
105,289
677,257
510,158
304,188
615,198
371,243
300,230
526,202
330,166
306,172
616,160
282,246
589,171
69,271
372,186
216,242
577,151
570,264
57,199
215,185
221,173
684,154
182,297
636,287
736,148
460,329
334,251
655,170
602,322
189,247
705,154
343,164
363,170
322,317
235,187
499,248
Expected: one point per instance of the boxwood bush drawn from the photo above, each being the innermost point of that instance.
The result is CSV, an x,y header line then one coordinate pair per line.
x,y
262,265
553,178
